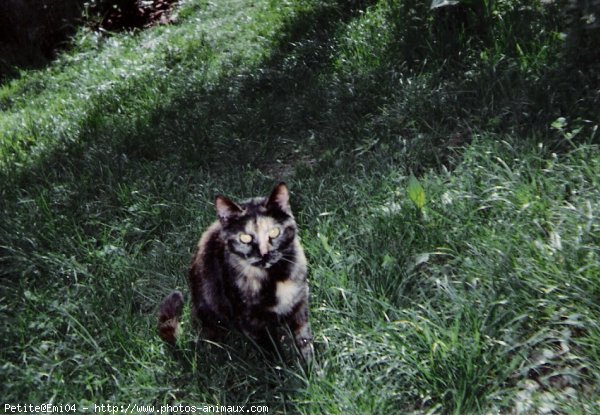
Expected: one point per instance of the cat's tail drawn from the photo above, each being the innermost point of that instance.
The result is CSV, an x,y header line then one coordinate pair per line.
x,y
168,317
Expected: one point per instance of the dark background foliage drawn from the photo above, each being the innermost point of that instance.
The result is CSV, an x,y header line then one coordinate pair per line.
x,y
33,31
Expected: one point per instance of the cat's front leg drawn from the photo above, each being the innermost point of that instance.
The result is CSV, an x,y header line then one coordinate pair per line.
x,y
300,327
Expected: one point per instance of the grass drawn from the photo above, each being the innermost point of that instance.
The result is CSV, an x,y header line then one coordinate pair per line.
x,y
449,216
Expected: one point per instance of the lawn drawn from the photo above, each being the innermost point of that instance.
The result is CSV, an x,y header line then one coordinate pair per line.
x,y
444,173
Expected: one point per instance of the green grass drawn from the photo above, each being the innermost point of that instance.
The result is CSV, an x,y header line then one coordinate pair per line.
x,y
472,288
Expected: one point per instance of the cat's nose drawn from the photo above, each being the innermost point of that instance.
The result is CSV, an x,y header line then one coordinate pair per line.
x,y
263,248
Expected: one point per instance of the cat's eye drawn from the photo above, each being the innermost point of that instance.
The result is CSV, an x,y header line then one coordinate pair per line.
x,y
274,233
245,238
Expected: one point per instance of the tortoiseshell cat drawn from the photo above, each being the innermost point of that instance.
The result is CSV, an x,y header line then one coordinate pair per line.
x,y
248,273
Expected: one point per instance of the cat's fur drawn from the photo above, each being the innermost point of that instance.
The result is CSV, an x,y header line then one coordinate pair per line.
x,y
248,273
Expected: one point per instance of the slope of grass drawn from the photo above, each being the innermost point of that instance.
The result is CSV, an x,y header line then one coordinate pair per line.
x,y
473,289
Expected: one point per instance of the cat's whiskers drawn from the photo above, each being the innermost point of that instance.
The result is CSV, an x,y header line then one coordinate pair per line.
x,y
283,258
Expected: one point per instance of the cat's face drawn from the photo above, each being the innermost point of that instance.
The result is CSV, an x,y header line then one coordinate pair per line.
x,y
259,231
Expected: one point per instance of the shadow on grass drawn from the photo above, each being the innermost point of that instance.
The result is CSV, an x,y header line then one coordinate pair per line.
x,y
236,372
247,119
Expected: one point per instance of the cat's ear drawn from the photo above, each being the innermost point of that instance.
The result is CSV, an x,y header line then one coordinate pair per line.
x,y
226,208
280,198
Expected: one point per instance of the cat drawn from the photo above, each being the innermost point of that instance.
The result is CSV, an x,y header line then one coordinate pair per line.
x,y
249,273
